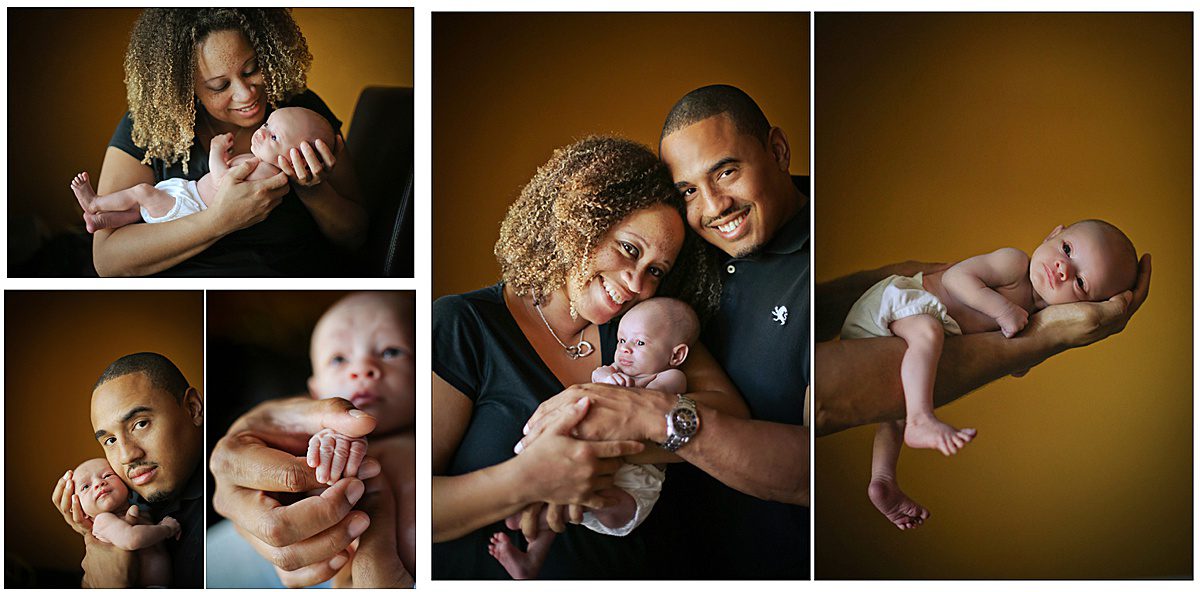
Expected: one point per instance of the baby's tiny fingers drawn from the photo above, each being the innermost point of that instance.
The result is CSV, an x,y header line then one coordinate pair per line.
x,y
358,451
341,452
314,452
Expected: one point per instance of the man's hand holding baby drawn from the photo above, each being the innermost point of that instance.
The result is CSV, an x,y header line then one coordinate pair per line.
x,y
306,540
67,502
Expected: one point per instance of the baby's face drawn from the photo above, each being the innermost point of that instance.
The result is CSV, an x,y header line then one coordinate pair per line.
x,y
645,343
99,488
1075,264
283,130
362,350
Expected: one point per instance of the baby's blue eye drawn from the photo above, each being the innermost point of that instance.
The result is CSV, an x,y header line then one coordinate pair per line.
x,y
84,488
337,360
1066,249
391,352
640,342
272,137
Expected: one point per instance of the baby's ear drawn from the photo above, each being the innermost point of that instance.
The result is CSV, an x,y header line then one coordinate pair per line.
x,y
1054,233
679,354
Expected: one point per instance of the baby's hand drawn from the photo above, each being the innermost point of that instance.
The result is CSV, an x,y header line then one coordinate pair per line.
x,y
1013,321
335,455
620,379
168,521
223,144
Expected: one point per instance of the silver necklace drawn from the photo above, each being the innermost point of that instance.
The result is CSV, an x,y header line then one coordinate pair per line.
x,y
579,350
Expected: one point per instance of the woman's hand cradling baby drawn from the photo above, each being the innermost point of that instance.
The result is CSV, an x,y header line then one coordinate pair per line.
x,y
309,164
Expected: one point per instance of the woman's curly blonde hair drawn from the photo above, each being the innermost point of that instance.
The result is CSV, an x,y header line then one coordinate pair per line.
x,y
551,231
161,61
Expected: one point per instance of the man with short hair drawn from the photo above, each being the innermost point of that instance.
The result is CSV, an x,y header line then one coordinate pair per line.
x,y
732,168
150,422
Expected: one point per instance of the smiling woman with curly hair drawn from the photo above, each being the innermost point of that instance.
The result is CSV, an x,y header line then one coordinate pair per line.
x,y
192,75
599,228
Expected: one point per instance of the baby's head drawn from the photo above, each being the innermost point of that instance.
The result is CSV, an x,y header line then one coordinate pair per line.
x,y
362,350
655,335
99,488
1090,260
285,129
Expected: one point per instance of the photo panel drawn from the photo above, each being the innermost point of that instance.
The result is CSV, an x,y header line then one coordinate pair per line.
x,y
312,446
956,153
567,220
106,390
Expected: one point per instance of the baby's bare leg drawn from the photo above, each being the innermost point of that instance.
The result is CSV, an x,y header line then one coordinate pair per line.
x,y
335,455
884,491
121,207
923,334
521,565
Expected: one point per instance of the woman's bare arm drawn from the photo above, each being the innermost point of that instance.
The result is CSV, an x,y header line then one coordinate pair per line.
x,y
144,249
559,469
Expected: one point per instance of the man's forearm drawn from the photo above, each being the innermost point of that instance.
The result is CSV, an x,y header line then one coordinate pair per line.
x,y
760,458
858,381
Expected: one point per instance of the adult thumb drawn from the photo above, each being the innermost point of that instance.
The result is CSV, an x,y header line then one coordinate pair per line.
x,y
241,171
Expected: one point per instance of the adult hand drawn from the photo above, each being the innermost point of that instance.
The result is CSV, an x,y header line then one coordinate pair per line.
x,y
564,470
67,502
240,203
376,561
616,413
1083,323
107,566
309,164
306,540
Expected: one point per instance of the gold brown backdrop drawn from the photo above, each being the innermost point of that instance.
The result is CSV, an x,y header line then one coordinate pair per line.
x,y
938,137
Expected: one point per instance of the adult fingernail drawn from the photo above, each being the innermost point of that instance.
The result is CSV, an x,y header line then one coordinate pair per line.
x,y
525,430
354,492
66,475
337,562
581,402
359,413
359,525
518,448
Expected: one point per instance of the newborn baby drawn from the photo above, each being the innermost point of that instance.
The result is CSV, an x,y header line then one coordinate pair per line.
x,y
105,499
652,342
362,351
172,199
1090,260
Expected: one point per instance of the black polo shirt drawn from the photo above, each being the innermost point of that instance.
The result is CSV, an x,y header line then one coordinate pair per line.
x,y
760,333
700,528
187,553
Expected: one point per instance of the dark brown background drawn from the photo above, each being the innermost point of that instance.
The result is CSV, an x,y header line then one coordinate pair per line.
x,y
939,137
510,88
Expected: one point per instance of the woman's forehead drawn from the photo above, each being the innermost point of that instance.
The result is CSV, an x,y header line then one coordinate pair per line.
x,y
221,52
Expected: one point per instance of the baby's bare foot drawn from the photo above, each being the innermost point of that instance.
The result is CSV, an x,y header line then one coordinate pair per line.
x,y
927,431
515,561
81,185
895,505
335,455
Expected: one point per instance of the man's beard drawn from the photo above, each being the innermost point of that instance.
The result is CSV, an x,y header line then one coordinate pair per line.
x,y
159,497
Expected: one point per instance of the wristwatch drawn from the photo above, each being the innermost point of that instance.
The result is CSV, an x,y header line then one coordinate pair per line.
x,y
682,423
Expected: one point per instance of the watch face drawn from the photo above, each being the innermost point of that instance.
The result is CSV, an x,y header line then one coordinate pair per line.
x,y
685,421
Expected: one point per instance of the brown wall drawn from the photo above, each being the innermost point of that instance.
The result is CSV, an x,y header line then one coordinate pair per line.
x,y
56,345
943,136
510,88
67,91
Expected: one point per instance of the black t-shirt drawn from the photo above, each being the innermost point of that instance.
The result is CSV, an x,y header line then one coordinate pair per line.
x,y
288,243
187,553
760,336
479,350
